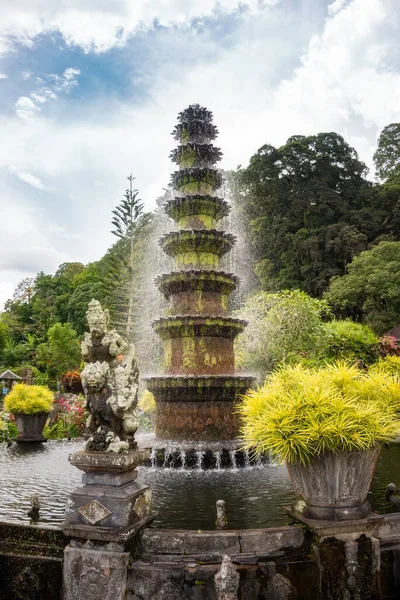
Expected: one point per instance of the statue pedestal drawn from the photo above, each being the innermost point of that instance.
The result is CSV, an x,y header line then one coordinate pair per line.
x,y
102,518
111,506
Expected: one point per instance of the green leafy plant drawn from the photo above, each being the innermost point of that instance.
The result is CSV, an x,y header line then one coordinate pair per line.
x,y
301,413
28,399
352,341
389,364
283,327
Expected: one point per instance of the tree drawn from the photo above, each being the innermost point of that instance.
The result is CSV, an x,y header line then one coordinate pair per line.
x,y
369,291
387,155
128,217
298,199
24,290
281,327
4,337
61,353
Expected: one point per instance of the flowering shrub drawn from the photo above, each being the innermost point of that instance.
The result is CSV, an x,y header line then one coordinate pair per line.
x,y
70,418
388,346
8,428
71,382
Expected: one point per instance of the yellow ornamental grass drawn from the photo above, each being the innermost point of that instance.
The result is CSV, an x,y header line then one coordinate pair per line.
x,y
301,413
29,399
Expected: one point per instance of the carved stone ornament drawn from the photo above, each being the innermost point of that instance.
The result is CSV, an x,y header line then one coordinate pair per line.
x,y
94,573
94,512
92,585
142,505
110,381
26,584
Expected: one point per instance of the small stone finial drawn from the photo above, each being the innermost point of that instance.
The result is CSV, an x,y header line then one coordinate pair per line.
x,y
227,580
221,521
34,511
278,587
391,490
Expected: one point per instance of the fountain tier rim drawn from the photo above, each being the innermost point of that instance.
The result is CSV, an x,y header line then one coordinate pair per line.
x,y
182,241
197,204
198,326
196,280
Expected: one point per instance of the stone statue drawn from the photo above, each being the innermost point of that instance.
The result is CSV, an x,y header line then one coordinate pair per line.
x,y
110,381
227,580
221,521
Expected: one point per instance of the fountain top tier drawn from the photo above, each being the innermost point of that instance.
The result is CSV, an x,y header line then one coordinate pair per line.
x,y
197,392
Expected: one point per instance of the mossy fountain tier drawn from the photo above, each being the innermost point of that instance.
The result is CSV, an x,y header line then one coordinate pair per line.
x,y
197,394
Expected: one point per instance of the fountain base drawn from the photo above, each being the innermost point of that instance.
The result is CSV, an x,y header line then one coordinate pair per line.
x,y
192,455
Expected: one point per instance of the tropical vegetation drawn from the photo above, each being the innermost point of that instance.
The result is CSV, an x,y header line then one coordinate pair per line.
x,y
300,412
29,399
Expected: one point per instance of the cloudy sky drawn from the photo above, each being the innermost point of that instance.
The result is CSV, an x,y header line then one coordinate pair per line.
x,y
90,90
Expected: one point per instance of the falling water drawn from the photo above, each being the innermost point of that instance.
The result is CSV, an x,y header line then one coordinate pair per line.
x,y
232,454
153,458
200,455
246,458
182,456
217,455
166,458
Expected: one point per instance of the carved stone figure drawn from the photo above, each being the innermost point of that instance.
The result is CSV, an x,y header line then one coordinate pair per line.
x,y
221,521
278,586
110,381
227,580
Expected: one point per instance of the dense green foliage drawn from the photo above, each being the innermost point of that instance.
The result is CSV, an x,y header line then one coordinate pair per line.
x,y
291,327
352,341
301,413
28,399
281,327
387,155
311,211
369,291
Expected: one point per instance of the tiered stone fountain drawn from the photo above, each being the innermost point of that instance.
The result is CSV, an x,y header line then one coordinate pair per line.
x,y
196,395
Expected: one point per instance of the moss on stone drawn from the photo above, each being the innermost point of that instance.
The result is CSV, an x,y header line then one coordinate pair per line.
x,y
207,221
167,354
201,259
188,353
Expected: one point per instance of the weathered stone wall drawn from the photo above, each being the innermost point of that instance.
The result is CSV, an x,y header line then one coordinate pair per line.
x,y
276,563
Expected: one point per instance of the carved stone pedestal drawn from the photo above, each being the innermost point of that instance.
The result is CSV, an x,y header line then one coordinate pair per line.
x,y
95,571
111,505
103,516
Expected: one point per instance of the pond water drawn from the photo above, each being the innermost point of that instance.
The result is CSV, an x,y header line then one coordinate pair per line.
x,y
254,496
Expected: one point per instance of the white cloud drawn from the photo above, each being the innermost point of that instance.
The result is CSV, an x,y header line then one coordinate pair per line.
x,y
43,95
3,76
32,180
71,73
25,108
98,25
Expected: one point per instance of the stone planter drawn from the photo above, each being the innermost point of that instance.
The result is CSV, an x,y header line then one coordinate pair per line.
x,y
30,427
335,486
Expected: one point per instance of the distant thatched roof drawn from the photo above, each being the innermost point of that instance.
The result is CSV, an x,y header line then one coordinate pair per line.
x,y
395,332
10,375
